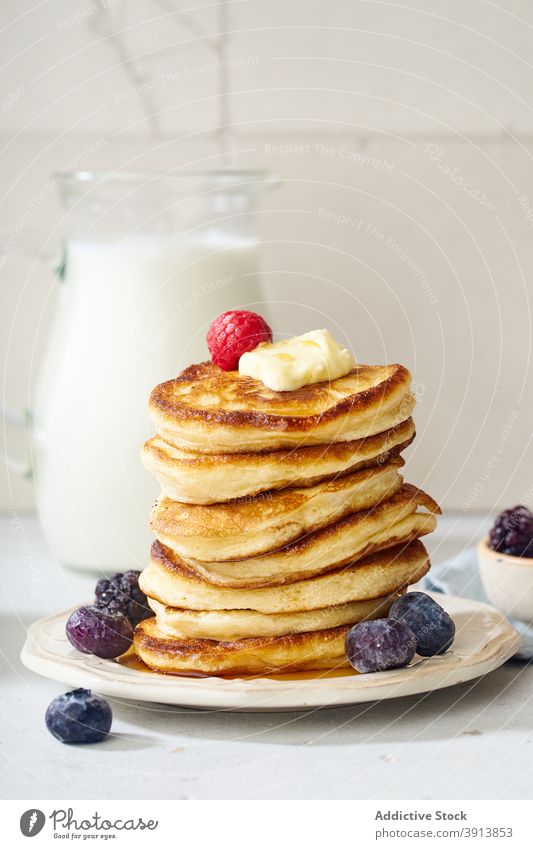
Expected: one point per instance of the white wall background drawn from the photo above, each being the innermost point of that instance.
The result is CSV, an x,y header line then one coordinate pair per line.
x,y
415,120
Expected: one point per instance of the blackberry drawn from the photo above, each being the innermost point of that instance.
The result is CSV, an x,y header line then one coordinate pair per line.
x,y
512,532
121,594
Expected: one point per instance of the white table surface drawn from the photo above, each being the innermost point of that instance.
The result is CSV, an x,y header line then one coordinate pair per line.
x,y
473,741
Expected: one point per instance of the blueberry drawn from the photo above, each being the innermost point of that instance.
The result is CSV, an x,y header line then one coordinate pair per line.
x,y
79,717
101,632
433,628
380,644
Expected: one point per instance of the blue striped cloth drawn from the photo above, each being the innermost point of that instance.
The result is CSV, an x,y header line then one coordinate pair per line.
x,y
460,576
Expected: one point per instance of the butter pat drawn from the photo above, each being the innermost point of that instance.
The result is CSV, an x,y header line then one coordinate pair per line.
x,y
296,362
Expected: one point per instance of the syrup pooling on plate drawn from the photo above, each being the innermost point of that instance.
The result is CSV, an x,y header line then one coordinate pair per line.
x,y
131,661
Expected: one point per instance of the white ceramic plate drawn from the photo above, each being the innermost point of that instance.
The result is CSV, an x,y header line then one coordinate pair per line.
x,y
484,640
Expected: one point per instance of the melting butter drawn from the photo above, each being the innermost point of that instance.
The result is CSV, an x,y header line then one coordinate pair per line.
x,y
298,361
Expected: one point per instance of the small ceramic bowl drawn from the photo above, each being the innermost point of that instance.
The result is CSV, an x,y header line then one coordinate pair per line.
x,y
508,581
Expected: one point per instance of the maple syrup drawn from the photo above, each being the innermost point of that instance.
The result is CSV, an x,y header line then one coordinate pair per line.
x,y
310,675
132,661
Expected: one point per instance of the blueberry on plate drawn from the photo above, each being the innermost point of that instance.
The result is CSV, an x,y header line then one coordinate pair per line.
x,y
379,645
101,632
433,628
79,717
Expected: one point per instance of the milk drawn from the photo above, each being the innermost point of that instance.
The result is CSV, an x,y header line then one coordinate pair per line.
x,y
130,315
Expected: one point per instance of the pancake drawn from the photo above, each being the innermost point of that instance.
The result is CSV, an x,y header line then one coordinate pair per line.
x,y
238,624
249,527
208,410
168,580
389,523
252,656
209,478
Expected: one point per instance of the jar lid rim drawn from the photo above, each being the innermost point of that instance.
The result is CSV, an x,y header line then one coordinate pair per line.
x,y
222,174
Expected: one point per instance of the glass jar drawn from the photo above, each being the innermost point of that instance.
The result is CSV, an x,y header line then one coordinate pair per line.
x,y
148,261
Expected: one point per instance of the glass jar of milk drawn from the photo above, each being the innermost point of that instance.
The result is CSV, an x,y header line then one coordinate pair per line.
x,y
149,260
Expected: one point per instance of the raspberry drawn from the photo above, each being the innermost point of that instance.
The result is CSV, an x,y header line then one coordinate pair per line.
x,y
512,532
234,333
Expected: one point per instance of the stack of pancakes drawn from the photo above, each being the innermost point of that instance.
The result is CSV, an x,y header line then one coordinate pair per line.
x,y
283,519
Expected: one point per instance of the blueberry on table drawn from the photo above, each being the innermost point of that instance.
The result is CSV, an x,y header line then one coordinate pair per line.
x,y
101,632
79,717
433,628
379,645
